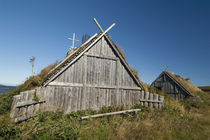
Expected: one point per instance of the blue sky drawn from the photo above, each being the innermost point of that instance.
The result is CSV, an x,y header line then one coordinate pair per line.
x,y
154,34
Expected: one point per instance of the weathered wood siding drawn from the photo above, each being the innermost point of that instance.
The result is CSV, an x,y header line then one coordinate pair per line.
x,y
95,80
71,99
98,78
102,67
73,74
168,86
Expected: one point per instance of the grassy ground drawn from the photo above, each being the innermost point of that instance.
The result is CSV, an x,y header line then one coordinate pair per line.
x,y
177,120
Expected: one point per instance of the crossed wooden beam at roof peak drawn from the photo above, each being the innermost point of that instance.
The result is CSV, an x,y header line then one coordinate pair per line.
x,y
101,28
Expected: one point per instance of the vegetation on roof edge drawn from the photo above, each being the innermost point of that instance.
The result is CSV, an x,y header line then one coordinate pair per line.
x,y
189,86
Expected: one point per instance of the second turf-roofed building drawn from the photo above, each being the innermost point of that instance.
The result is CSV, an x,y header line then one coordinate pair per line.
x,y
174,85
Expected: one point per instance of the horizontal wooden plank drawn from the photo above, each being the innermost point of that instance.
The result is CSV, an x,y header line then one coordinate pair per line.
x,y
91,86
111,113
152,101
103,57
65,84
29,103
113,87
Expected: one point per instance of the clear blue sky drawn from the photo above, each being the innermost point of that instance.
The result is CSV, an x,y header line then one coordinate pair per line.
x,y
153,33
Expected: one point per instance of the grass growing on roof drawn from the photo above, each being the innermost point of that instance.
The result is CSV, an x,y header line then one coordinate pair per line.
x,y
189,86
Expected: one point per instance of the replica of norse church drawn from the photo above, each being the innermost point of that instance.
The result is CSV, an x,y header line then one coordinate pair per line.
x,y
92,76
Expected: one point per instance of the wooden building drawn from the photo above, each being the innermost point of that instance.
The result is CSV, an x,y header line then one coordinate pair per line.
x,y
92,76
95,75
175,85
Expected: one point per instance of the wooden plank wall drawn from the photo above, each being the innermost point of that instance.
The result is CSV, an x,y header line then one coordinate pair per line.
x,y
74,99
95,80
70,99
169,87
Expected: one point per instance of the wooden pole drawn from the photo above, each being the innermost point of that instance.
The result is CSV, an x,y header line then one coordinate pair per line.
x,y
98,25
111,113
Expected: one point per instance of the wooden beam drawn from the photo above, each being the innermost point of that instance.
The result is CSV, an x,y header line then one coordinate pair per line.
x,y
103,57
65,84
98,25
90,86
111,113
29,103
113,87
152,101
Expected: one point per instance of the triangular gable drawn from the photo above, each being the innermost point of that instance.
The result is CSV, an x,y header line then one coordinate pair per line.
x,y
80,51
174,80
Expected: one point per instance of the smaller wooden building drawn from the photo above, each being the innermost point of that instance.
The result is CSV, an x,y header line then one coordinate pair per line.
x,y
175,85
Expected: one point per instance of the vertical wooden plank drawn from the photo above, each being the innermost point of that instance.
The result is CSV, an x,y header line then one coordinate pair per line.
x,y
109,97
151,98
142,97
83,100
117,75
72,99
75,98
93,98
146,98
102,47
155,99
161,98
78,98
69,99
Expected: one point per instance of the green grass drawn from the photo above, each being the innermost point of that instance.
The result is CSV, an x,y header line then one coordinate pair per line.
x,y
174,121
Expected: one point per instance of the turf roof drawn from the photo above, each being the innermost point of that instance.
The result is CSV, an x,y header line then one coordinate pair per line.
x,y
185,83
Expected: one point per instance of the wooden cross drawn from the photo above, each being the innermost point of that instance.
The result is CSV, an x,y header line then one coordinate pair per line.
x,y
100,26
73,39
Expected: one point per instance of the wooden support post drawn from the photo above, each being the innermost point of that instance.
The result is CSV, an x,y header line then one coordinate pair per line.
x,y
161,98
151,98
142,96
156,99
146,98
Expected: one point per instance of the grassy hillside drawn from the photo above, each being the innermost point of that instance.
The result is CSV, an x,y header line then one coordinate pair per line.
x,y
30,83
